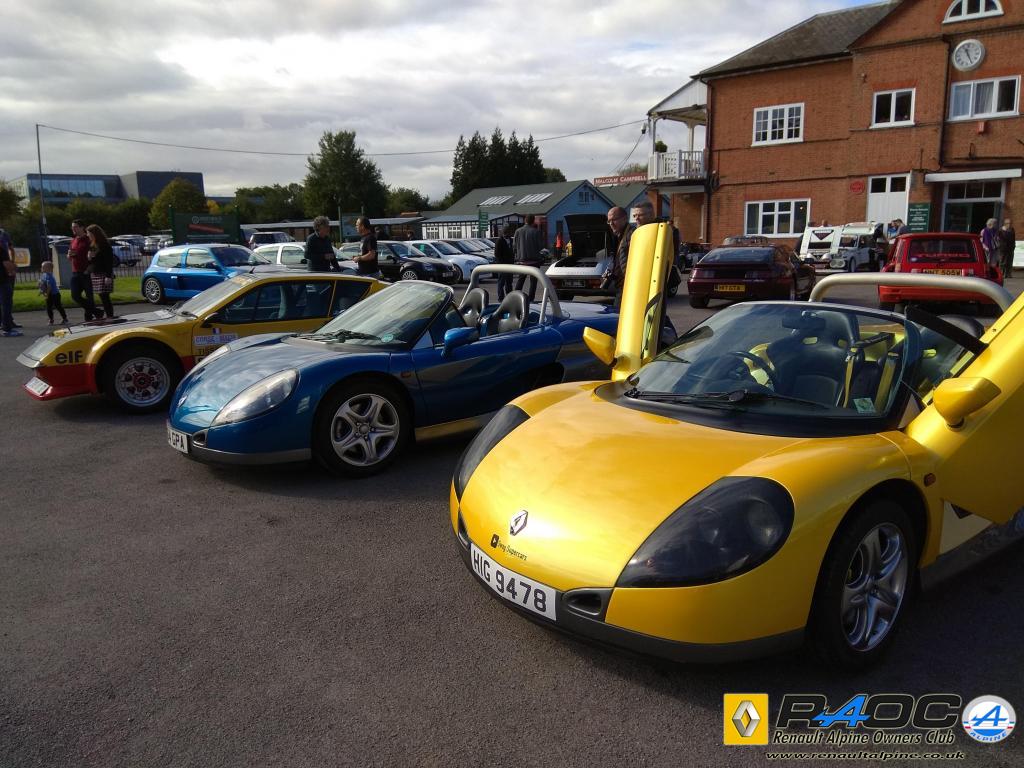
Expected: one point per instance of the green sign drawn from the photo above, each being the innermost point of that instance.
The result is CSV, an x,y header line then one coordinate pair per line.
x,y
483,223
919,217
205,228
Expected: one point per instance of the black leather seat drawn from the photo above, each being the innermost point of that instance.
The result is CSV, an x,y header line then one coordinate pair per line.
x,y
473,305
511,314
811,363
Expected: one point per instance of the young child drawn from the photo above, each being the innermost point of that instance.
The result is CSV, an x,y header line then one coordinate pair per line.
x,y
48,287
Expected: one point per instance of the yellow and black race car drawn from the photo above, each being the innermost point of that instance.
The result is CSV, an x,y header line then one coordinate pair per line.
x,y
784,471
138,360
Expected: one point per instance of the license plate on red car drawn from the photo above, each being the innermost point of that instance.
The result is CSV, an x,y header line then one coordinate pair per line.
x,y
954,272
730,288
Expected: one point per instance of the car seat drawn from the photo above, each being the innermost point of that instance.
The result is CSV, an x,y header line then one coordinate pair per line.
x,y
511,314
811,363
473,305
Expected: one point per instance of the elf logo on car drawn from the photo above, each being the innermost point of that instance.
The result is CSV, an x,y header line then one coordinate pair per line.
x,y
518,521
64,358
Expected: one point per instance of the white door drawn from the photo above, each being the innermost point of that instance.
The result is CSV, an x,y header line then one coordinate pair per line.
x,y
887,197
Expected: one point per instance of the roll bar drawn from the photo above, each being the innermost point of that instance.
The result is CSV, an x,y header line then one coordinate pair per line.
x,y
549,295
986,288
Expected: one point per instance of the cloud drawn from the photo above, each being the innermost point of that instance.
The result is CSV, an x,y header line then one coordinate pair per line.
x,y
404,74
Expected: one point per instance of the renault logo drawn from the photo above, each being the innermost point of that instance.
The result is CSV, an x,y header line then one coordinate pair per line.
x,y
518,521
745,718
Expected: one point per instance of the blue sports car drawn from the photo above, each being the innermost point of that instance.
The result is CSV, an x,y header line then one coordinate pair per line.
x,y
182,271
407,362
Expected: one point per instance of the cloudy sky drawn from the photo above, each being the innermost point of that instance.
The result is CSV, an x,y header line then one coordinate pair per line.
x,y
406,75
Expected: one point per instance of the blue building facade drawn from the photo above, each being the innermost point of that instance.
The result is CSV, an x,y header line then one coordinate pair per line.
x,y
62,188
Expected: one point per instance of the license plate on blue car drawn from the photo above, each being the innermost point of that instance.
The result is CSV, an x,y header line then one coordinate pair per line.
x,y
177,440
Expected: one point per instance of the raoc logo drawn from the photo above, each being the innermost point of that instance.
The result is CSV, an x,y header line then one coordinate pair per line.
x,y
989,719
518,521
746,719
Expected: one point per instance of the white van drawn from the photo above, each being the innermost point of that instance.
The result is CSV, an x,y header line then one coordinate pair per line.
x,y
850,247
818,245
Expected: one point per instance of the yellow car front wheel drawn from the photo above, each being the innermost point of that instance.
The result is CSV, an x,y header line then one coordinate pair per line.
x,y
865,583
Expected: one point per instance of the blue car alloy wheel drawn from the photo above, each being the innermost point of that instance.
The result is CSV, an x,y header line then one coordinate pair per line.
x,y
361,427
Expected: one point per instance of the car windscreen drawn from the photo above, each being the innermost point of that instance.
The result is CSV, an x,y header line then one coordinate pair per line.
x,y
213,296
446,249
463,247
739,255
236,256
941,249
402,249
794,362
395,316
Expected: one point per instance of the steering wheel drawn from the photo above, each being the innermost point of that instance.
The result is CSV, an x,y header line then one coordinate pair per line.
x,y
758,362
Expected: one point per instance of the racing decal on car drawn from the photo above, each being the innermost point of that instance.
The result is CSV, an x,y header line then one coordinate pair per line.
x,y
214,341
68,358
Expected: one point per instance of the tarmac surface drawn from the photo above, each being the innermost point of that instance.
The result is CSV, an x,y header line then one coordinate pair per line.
x,y
158,612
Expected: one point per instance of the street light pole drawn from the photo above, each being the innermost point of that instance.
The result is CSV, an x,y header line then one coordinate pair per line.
x,y
42,208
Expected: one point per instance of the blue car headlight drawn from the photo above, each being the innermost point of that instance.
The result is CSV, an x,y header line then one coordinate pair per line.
x,y
261,397
504,421
729,528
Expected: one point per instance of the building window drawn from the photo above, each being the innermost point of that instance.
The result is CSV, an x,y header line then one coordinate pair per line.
x,y
777,218
969,204
893,108
779,124
497,200
961,10
984,98
535,198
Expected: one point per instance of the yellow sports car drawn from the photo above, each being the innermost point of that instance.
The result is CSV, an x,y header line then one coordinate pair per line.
x,y
784,471
138,360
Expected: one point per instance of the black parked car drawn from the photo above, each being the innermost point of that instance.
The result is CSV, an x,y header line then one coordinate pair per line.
x,y
397,261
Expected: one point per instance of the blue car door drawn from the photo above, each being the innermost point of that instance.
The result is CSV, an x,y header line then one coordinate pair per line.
x,y
201,271
483,375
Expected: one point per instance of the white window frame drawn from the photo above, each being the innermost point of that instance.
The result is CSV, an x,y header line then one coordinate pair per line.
x,y
792,219
893,123
995,94
787,107
964,16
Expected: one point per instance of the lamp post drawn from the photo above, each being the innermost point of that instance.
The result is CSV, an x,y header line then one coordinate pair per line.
x,y
42,208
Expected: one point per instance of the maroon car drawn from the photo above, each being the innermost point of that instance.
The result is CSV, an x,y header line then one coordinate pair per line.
x,y
744,272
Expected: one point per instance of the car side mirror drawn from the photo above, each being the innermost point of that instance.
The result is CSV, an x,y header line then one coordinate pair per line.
x,y
212,320
458,337
601,344
956,399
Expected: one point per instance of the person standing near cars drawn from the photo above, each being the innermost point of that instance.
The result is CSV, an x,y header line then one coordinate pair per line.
x,y
503,254
367,258
618,246
78,255
989,241
319,250
1007,245
8,270
101,268
527,245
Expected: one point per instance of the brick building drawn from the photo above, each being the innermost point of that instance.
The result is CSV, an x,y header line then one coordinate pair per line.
x,y
905,109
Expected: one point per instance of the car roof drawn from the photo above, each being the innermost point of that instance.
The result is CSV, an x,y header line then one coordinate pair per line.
x,y
295,275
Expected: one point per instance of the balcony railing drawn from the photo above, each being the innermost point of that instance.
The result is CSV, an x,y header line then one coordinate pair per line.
x,y
675,166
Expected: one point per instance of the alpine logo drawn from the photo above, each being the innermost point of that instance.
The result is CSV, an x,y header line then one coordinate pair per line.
x,y
518,521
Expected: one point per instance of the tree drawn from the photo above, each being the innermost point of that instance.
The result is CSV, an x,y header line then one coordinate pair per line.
x,y
553,174
660,146
497,161
342,178
181,195
10,202
260,205
401,199
469,170
533,168
633,168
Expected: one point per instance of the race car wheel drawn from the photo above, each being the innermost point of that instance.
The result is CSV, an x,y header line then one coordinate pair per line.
x,y
153,291
140,377
360,428
409,274
864,584
698,302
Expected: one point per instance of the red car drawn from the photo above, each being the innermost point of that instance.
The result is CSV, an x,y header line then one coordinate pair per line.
x,y
739,272
937,253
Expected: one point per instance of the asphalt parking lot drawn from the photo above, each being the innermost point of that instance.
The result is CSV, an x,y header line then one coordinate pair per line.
x,y
158,612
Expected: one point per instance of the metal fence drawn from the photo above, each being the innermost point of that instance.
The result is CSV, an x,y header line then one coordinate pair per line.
x,y
131,262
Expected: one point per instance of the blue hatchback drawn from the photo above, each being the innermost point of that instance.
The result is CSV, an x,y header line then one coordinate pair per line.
x,y
182,271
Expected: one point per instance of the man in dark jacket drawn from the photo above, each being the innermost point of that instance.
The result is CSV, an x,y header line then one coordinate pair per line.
x,y
503,254
527,244
319,251
618,246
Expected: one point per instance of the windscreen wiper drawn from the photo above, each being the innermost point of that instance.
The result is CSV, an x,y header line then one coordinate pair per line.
x,y
720,399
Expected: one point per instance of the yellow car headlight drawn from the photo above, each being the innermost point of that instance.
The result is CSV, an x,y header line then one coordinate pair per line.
x,y
729,528
504,421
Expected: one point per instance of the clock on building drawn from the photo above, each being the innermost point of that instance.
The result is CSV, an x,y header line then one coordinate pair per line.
x,y
968,55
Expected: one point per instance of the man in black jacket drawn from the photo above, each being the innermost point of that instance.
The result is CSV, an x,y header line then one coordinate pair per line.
x,y
503,254
319,251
